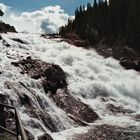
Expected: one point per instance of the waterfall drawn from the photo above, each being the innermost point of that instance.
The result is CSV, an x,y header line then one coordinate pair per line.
x,y
100,83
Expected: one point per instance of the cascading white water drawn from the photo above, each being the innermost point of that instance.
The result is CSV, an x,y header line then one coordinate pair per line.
x,y
89,75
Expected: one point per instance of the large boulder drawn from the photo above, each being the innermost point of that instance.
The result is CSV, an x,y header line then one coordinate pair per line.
x,y
131,64
53,76
76,109
54,82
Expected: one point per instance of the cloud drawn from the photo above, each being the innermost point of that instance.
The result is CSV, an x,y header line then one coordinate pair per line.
x,y
4,8
47,19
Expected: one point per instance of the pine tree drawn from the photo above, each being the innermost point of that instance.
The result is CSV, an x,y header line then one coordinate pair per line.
x,y
113,21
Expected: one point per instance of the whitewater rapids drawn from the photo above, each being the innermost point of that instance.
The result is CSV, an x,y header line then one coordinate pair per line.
x,y
90,77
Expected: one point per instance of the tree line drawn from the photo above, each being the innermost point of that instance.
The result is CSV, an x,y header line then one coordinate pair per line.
x,y
110,20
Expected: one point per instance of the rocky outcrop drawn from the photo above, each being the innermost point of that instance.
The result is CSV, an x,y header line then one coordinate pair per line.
x,y
127,57
74,39
53,77
118,109
131,64
80,111
50,36
4,28
24,95
69,38
110,132
54,82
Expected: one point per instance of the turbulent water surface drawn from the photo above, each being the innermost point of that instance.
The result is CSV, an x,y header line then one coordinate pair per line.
x,y
110,90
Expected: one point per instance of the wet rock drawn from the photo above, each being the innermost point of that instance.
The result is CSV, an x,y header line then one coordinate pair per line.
x,y
53,76
45,137
78,43
118,109
3,98
110,132
4,28
32,107
19,41
76,108
1,37
128,58
76,40
25,99
137,117
5,43
50,36
48,122
131,64
79,122
29,135
17,88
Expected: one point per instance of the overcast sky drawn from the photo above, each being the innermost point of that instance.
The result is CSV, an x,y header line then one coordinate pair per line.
x,y
39,16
